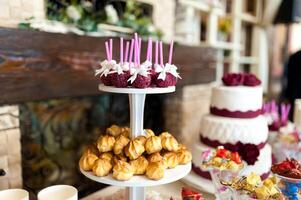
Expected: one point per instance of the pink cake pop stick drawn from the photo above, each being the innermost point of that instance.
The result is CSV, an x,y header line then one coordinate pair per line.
x,y
136,49
156,52
111,49
161,53
107,50
126,51
139,51
131,52
121,50
147,52
150,56
170,52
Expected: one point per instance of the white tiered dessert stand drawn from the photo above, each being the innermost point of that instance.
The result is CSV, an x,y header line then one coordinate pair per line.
x,y
136,184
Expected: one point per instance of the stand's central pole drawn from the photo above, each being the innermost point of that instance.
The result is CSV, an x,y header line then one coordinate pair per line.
x,y
136,122
136,113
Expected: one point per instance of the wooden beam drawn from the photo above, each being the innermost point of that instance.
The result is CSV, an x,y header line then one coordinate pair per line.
x,y
38,65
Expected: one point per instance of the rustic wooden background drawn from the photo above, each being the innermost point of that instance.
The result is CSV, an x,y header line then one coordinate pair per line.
x,y
38,65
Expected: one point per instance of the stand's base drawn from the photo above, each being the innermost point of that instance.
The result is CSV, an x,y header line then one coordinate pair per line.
x,y
136,193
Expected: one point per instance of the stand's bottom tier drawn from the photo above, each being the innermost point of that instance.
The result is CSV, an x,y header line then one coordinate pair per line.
x,y
170,175
262,166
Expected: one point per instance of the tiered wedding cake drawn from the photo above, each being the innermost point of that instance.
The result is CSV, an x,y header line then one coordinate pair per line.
x,y
235,122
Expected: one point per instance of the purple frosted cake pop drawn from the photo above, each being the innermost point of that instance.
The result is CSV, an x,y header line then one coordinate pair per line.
x,y
142,81
170,80
121,80
105,71
166,76
106,80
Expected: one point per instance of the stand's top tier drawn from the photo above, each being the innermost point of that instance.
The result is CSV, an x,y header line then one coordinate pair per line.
x,y
156,90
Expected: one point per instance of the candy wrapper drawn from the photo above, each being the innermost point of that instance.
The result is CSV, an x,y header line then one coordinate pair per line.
x,y
223,165
221,159
289,168
289,171
188,194
252,187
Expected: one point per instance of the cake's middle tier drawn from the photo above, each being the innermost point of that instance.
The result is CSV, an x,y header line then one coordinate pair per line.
x,y
236,101
224,130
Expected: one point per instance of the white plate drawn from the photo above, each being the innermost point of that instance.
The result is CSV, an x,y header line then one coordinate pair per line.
x,y
130,90
170,175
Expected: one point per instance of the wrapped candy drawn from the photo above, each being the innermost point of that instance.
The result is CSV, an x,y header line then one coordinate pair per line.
x,y
252,186
123,171
153,144
134,149
102,167
222,159
155,170
253,180
140,164
121,142
87,161
289,171
105,143
188,194
288,168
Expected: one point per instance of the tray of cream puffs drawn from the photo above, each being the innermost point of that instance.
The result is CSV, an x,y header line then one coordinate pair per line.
x,y
117,156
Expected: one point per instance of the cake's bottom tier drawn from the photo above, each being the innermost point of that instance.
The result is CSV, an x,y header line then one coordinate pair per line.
x,y
262,166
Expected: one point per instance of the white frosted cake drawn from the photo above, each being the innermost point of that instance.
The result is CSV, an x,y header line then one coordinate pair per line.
x,y
235,122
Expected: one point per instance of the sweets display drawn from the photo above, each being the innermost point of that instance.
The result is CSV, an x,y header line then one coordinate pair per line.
x,y
235,122
149,155
130,72
289,171
276,117
191,195
254,187
289,168
221,159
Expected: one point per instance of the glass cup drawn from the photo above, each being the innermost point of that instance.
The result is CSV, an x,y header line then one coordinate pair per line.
x,y
14,194
58,192
221,192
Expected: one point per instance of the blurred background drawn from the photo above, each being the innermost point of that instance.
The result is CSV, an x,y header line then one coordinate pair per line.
x,y
42,42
